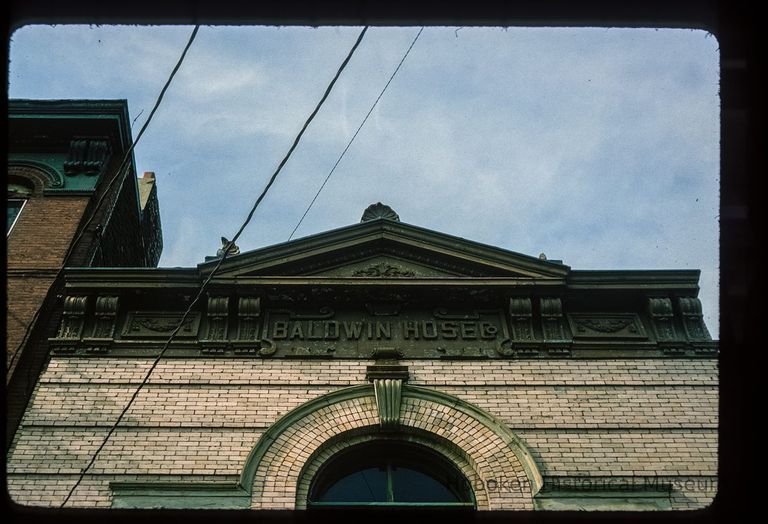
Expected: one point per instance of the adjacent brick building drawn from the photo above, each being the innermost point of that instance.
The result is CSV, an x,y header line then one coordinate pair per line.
x,y
376,364
62,156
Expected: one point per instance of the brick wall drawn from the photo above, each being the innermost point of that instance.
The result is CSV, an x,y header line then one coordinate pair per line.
x,y
36,249
199,418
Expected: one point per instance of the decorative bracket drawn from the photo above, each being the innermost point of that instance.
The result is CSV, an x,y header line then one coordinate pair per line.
x,y
87,156
662,315
218,312
388,387
388,395
106,315
71,327
552,319
693,319
521,319
74,315
104,328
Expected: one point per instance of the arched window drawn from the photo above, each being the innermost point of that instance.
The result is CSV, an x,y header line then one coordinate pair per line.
x,y
390,473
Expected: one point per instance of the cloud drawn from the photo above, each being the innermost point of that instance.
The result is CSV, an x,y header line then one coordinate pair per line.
x,y
592,145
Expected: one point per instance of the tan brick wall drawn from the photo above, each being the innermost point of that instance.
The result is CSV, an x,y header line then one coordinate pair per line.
x,y
201,417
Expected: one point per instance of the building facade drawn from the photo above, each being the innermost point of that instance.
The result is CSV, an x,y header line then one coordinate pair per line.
x,y
63,210
376,364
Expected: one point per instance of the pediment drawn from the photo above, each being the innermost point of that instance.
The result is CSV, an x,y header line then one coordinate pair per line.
x,y
385,249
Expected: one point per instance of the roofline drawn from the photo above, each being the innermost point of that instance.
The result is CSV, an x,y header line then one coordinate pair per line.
x,y
381,226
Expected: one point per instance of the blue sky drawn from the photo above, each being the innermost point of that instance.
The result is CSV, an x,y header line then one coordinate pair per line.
x,y
596,146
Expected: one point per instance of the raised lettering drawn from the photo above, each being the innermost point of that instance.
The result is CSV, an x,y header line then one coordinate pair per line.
x,y
488,331
429,329
297,331
383,330
449,329
352,329
280,330
331,330
468,330
410,329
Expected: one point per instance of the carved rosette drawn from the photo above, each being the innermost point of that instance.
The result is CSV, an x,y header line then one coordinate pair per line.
x,y
662,315
388,396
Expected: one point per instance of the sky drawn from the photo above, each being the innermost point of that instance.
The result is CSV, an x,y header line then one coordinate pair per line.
x,y
596,146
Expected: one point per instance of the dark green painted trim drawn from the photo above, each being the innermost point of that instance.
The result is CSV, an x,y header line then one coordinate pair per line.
x,y
177,495
113,112
687,279
511,282
622,500
55,178
386,230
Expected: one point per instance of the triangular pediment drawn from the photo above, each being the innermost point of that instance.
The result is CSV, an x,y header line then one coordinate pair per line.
x,y
389,249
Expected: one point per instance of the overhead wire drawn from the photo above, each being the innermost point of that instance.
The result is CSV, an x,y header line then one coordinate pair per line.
x,y
355,135
221,260
124,164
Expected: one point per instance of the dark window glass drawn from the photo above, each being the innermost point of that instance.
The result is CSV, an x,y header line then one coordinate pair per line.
x,y
14,208
410,485
390,473
366,485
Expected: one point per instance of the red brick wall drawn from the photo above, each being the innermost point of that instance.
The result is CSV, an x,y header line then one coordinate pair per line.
x,y
35,251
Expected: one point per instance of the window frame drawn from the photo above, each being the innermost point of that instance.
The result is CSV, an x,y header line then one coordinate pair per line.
x,y
430,463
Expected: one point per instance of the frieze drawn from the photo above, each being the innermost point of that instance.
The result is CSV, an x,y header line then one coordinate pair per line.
x,y
386,331
151,324
415,333
606,325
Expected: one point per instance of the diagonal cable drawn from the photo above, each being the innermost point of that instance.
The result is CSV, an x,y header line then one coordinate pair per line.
x,y
355,135
216,268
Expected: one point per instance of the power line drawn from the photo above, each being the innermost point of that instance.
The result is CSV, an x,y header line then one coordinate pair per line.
x,y
218,265
356,132
124,164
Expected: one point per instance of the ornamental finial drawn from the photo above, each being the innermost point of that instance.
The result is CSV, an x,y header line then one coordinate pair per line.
x,y
379,210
